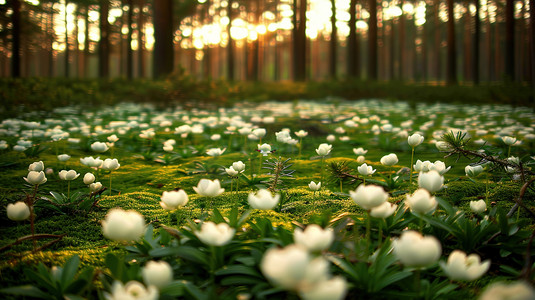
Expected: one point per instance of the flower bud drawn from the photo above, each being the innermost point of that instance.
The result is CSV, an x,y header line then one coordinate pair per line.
x,y
157,273
18,211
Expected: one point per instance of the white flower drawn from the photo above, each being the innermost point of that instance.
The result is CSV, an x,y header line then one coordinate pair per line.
x,y
415,140
37,166
265,149
64,157
361,159
18,211
110,164
283,136
389,159
365,170
239,166
301,133
173,199
95,186
431,181
35,177
314,186
421,202
263,199
331,138
133,290
314,238
439,166
167,147
157,273
384,210
463,267
331,289
68,175
478,206
415,250
215,234
369,196
89,178
359,151
91,162
215,137
208,188
519,290
215,151
99,147
123,226
443,146
259,132
19,148
324,149
231,172
421,166
113,138
508,140
293,268
473,171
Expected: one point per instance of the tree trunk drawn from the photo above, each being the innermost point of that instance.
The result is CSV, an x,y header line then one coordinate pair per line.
x,y
129,51
510,40
15,51
402,52
438,38
372,40
163,38
300,40
255,44
67,65
104,44
334,41
352,45
140,40
451,77
475,54
230,46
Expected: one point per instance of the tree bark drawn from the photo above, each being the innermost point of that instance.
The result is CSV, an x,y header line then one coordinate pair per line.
x,y
334,41
300,40
230,46
104,44
352,42
67,65
163,56
372,40
475,54
129,51
140,40
451,77
510,40
15,51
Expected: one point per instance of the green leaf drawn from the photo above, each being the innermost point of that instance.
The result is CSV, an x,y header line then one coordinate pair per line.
x,y
185,252
238,270
114,264
218,218
175,289
69,270
344,266
241,280
26,290
194,291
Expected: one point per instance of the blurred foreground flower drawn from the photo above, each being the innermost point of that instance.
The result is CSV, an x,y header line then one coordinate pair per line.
x,y
157,273
215,234
132,290
369,196
314,238
415,250
123,226
463,267
173,199
18,211
263,199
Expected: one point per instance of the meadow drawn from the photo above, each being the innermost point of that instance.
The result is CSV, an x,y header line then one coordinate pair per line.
x,y
417,201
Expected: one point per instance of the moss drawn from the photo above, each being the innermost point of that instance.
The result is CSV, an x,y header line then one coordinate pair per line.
x,y
458,191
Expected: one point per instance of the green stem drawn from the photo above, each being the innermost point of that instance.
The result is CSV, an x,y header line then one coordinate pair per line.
x,y
68,190
412,161
321,170
417,282
509,152
380,235
32,216
487,188
178,217
110,184
300,146
364,180
341,182
368,233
